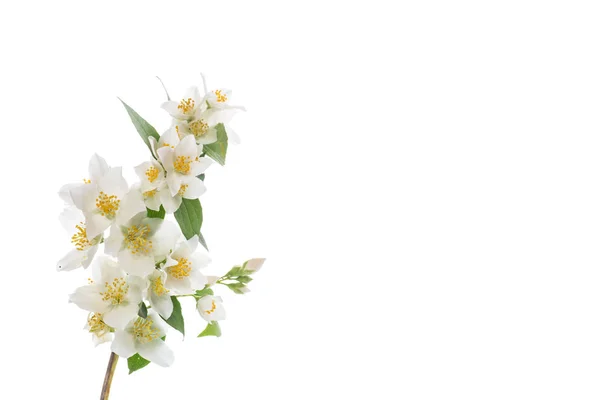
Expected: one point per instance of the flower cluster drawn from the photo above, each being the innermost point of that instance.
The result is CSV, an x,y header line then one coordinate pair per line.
x,y
150,261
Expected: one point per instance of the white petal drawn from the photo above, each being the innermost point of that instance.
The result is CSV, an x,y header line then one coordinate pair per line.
x,y
89,256
169,202
97,168
165,238
174,182
118,317
96,224
113,244
195,188
89,298
69,218
171,108
187,147
209,137
72,260
65,192
232,135
157,351
131,204
200,166
139,266
113,183
153,202
162,304
123,345
84,196
255,264
200,260
197,280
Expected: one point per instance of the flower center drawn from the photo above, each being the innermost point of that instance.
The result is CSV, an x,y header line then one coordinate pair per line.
x,y
213,308
107,205
143,331
181,270
186,105
182,164
79,239
221,97
87,181
115,292
150,193
136,240
182,189
152,174
199,128
158,287
97,325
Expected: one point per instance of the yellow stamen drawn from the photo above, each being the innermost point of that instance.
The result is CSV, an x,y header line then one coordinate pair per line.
x,y
107,205
136,240
152,174
115,292
158,287
212,310
182,189
199,128
149,193
79,239
97,325
86,181
181,270
186,105
221,97
143,330
182,164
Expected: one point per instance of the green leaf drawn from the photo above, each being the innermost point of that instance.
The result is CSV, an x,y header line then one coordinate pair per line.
x,y
212,329
201,177
218,150
236,287
176,318
236,271
244,279
156,214
204,292
143,127
202,241
136,361
143,311
189,217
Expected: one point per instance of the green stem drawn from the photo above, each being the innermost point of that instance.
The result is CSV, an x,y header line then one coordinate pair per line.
x,y
110,371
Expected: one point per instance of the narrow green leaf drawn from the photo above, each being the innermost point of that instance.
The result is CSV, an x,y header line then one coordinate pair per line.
x,y
202,241
218,150
136,362
156,214
143,127
244,279
201,177
143,311
189,217
212,329
176,318
237,287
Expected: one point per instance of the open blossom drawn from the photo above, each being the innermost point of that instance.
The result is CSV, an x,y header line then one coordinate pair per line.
x,y
111,293
186,108
101,332
183,268
96,169
107,201
143,336
159,296
139,242
85,247
211,308
152,182
181,164
170,138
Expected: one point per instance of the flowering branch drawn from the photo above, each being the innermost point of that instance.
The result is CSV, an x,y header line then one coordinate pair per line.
x,y
151,254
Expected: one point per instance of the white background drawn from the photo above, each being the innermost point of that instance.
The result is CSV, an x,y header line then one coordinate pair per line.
x,y
423,178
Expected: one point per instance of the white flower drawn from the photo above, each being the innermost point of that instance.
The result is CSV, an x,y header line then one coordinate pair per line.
x,y
111,293
152,182
143,336
202,126
97,168
158,295
107,201
139,241
183,162
186,108
182,268
211,308
101,333
82,255
189,188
